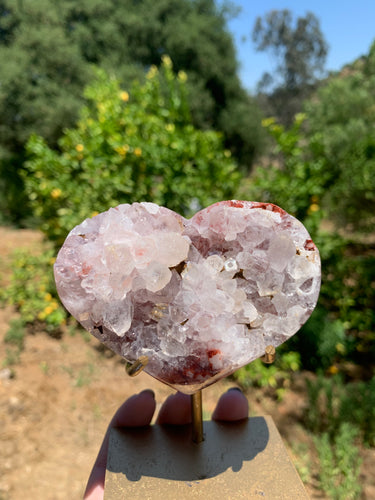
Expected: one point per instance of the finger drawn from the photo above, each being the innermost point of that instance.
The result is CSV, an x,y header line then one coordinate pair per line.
x,y
137,411
232,406
176,410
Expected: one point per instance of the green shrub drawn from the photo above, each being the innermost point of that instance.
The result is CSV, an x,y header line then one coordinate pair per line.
x,y
332,403
341,127
16,334
136,146
125,148
322,342
340,464
32,291
291,180
276,375
14,340
302,179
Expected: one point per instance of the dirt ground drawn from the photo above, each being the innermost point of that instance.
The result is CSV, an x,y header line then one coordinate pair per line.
x,y
56,407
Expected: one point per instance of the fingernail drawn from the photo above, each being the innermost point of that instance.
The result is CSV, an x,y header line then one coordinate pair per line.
x,y
148,391
235,389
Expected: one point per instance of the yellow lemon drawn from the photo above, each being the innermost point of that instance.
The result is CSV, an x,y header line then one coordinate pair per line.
x,y
182,76
333,369
314,207
56,193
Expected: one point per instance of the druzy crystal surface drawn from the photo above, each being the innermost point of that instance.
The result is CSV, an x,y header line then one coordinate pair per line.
x,y
199,297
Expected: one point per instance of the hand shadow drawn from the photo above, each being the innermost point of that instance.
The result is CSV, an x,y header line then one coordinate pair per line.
x,y
167,452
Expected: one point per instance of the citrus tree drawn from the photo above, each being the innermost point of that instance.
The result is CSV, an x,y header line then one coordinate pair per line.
x,y
128,146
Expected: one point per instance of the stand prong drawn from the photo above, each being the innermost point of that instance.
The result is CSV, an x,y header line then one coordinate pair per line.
x,y
269,355
196,415
133,369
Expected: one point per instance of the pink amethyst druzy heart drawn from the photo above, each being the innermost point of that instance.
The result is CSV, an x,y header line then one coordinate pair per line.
x,y
200,297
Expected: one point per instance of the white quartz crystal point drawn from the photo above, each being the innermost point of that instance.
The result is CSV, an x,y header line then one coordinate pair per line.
x,y
200,297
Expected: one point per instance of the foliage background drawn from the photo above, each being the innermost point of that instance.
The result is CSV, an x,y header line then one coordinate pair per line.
x,y
49,51
93,113
132,146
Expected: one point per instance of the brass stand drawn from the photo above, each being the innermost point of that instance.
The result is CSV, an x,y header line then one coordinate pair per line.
x,y
245,460
196,417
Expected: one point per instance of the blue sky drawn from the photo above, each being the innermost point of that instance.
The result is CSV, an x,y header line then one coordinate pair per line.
x,y
347,25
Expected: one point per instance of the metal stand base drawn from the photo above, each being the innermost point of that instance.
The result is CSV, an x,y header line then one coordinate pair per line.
x,y
236,460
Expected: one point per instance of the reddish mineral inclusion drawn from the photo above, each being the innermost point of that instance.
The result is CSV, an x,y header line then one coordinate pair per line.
x,y
199,297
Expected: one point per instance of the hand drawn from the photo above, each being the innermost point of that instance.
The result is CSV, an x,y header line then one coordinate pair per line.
x,y
138,411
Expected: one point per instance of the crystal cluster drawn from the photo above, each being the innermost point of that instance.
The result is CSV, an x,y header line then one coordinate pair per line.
x,y
199,298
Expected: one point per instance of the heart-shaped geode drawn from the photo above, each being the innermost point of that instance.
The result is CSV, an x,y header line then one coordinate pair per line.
x,y
199,297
